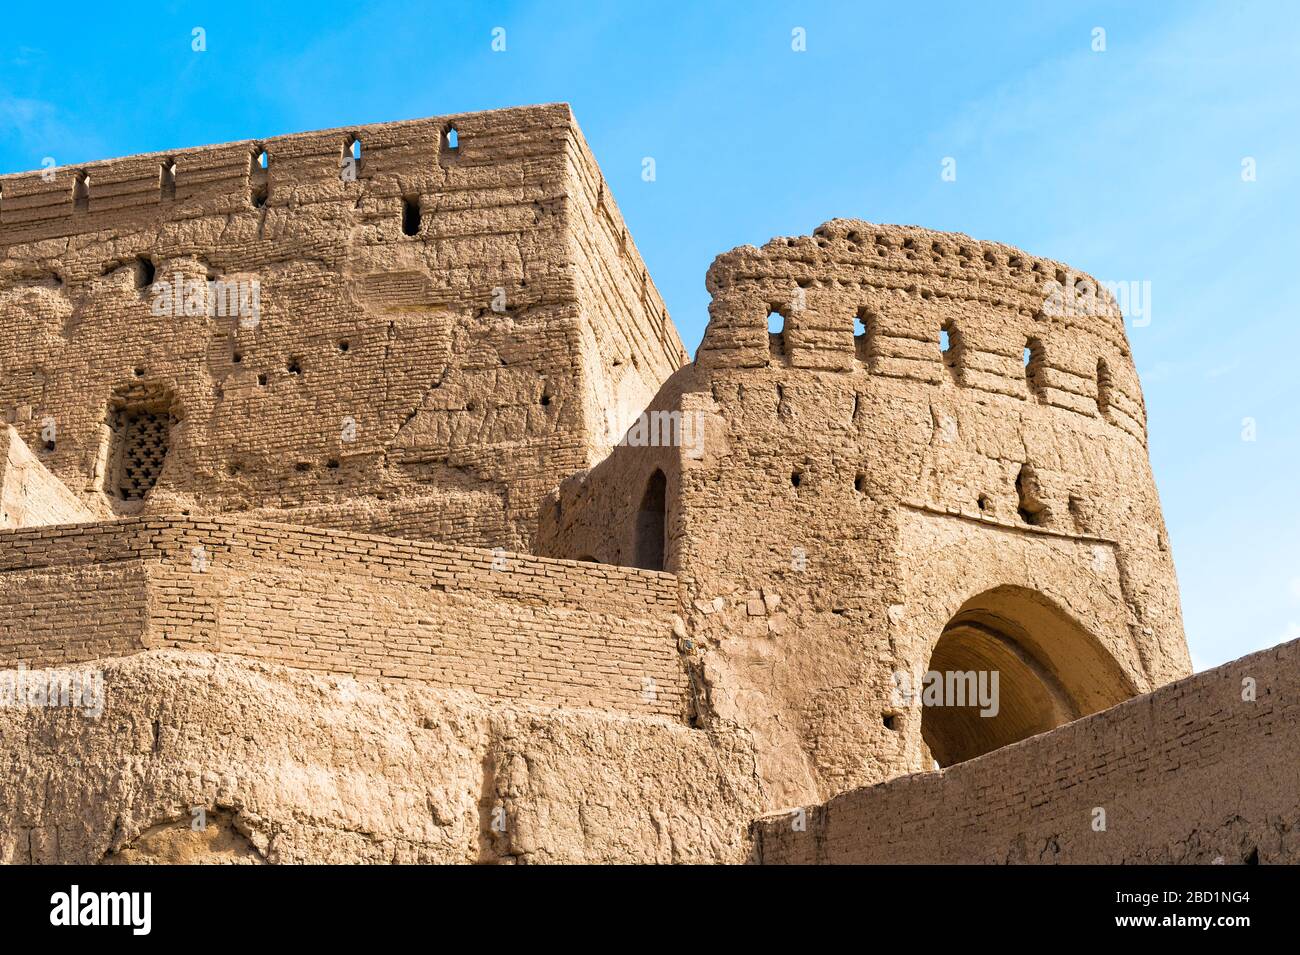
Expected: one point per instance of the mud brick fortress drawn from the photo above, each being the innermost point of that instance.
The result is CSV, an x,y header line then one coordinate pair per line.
x,y
365,475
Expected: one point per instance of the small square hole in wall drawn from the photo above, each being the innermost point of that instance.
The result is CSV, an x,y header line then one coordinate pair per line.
x,y
144,272
890,720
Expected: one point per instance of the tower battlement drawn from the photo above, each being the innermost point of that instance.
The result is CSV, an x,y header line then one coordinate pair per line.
x,y
960,484
1018,326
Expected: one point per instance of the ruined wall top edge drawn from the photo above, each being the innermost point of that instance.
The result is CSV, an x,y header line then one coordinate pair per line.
x,y
313,142
917,260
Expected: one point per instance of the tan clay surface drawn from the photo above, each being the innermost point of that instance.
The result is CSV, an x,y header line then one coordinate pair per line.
x,y
435,546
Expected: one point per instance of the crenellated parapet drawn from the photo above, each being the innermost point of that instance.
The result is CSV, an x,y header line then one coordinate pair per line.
x,y
407,157
910,303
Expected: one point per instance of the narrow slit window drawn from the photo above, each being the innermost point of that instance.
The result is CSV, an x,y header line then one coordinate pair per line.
x,y
81,192
1105,387
452,139
144,272
258,177
411,215
776,331
950,350
167,179
350,165
861,336
1034,365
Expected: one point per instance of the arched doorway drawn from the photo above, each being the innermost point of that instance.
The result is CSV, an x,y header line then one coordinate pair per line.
x,y
1011,664
651,524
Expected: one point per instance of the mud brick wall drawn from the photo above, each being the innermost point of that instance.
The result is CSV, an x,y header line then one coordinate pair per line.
x,y
902,431
1191,773
509,626
54,616
440,332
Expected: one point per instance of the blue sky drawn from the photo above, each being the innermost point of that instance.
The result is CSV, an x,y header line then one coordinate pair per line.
x,y
1125,163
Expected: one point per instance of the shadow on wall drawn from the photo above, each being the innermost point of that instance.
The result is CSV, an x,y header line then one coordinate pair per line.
x,y
651,524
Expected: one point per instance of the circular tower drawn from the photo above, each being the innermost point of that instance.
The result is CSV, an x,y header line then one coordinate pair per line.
x,y
910,502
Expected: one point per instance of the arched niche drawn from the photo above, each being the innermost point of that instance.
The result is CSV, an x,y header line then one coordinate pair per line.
x,y
1012,664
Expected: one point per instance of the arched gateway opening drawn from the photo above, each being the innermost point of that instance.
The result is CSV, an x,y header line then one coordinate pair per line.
x,y
1009,665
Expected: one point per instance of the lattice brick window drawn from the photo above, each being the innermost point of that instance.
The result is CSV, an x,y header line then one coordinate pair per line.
x,y
141,438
